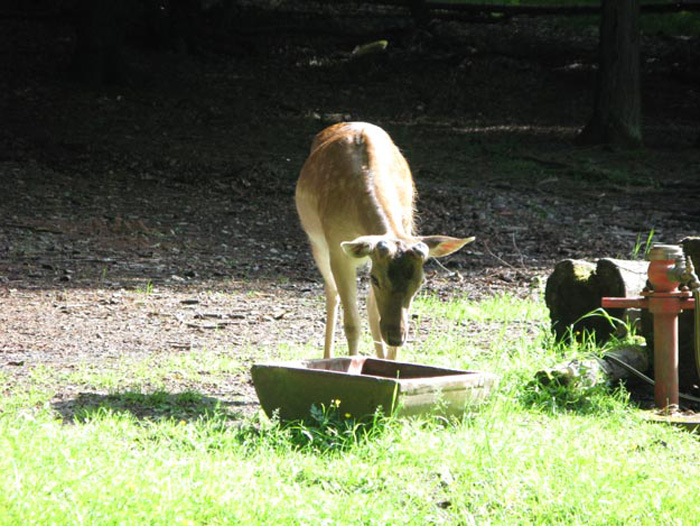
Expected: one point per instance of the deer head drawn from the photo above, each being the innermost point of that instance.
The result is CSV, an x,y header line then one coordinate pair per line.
x,y
396,275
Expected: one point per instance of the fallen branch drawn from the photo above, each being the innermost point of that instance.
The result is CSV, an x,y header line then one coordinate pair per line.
x,y
615,365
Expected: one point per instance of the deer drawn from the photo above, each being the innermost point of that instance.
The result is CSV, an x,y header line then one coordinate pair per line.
x,y
355,197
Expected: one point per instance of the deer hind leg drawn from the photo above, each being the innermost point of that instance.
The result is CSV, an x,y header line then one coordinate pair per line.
x,y
345,276
322,259
373,312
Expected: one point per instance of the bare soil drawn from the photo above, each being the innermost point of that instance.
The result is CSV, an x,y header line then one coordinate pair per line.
x,y
157,218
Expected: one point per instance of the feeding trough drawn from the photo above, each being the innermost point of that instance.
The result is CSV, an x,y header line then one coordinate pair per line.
x,y
363,385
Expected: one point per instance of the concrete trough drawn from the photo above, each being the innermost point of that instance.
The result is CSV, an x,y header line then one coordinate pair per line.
x,y
362,385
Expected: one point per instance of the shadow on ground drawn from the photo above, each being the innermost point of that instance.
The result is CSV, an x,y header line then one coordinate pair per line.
x,y
185,406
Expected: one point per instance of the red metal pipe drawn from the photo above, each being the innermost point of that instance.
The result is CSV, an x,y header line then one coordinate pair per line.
x,y
686,303
665,302
624,303
665,311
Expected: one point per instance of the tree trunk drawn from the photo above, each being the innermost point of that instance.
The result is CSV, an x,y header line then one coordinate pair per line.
x,y
617,107
575,288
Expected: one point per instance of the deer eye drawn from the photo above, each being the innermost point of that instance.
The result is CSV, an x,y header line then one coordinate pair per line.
x,y
374,280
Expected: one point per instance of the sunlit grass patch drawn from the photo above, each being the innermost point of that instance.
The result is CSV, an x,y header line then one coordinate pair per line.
x,y
480,334
162,457
503,465
502,308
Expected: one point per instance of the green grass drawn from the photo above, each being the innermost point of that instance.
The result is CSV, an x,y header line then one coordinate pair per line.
x,y
503,308
518,460
642,246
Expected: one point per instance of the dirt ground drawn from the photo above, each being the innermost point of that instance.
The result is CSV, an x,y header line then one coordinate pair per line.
x,y
157,218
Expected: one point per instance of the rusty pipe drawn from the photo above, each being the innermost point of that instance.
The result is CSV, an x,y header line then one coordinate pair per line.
x,y
665,302
665,311
624,303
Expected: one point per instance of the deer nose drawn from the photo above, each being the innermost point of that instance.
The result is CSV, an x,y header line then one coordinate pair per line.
x,y
394,335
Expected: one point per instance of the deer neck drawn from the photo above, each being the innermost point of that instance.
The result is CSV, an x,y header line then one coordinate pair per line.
x,y
377,220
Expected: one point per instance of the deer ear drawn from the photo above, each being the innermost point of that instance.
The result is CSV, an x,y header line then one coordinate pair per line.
x,y
360,247
439,246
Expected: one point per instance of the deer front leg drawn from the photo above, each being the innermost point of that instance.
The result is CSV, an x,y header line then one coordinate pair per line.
x,y
345,277
373,312
322,258
331,316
